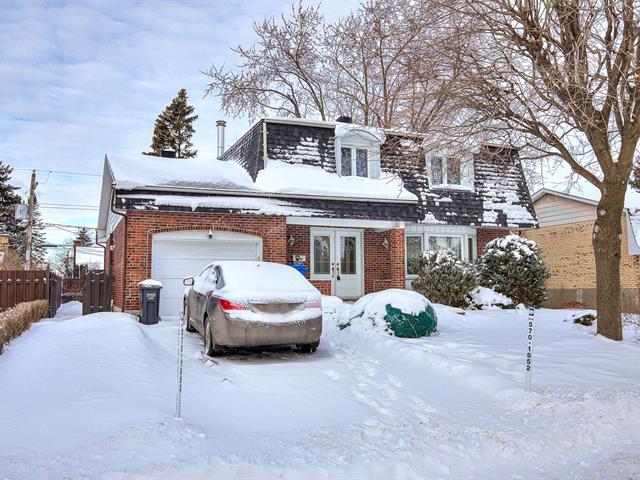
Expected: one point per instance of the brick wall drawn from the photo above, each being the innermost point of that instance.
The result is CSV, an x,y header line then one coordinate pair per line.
x,y
114,261
485,235
142,225
568,254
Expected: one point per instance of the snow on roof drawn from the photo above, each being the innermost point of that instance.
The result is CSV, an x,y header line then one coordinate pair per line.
x,y
282,177
145,171
372,133
259,205
140,171
590,194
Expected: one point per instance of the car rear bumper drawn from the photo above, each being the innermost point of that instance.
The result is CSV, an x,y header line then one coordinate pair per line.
x,y
231,332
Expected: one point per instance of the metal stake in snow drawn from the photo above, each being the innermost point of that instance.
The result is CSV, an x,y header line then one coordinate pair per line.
x,y
180,350
529,351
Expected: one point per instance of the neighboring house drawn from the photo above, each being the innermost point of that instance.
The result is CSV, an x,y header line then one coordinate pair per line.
x,y
566,228
342,199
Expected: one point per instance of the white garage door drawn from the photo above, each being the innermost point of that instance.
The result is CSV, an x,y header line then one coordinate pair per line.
x,y
176,255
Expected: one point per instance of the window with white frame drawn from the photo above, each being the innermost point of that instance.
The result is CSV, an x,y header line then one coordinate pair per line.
x,y
357,156
413,249
449,170
441,242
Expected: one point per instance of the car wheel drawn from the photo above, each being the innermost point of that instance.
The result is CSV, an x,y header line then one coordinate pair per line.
x,y
309,347
187,323
210,347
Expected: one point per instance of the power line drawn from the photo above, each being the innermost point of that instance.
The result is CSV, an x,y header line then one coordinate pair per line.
x,y
58,171
49,224
67,205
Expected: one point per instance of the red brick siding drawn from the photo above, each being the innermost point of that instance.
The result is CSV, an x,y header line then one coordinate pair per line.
x,y
114,261
301,246
383,267
485,235
142,225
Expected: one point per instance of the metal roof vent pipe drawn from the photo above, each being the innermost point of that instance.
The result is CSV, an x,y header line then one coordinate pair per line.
x,y
221,124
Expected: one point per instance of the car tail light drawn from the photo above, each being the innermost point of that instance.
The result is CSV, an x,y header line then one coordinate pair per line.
x,y
228,305
313,304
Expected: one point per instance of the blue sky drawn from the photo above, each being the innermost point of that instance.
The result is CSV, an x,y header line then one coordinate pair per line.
x,y
81,79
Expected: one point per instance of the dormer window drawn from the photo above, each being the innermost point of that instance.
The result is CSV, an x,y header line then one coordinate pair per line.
x,y
446,171
357,152
355,161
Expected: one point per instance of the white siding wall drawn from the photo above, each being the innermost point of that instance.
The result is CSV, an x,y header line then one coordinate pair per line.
x,y
553,210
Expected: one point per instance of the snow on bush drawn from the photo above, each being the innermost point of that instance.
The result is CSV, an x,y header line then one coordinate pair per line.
x,y
16,320
444,278
484,298
402,313
512,265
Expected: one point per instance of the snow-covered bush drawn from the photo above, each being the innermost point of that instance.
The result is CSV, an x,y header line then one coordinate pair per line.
x,y
444,278
483,298
402,313
512,266
16,320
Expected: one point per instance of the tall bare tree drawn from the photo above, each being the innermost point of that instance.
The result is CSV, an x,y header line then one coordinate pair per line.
x,y
561,78
281,74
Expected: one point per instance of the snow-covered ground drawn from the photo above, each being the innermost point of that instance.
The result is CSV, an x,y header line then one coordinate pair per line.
x,y
94,396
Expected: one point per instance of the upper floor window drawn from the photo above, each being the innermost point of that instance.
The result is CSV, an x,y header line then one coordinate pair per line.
x,y
446,170
357,153
356,161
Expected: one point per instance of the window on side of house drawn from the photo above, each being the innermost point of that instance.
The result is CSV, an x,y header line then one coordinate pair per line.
x,y
441,242
471,249
413,249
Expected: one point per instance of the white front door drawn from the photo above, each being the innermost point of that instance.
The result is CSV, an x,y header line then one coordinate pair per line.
x,y
336,255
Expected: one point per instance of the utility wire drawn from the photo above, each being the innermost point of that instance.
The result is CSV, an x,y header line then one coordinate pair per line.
x,y
57,171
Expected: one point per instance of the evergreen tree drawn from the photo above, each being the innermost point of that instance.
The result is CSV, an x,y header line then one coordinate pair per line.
x,y
83,238
444,278
512,266
9,199
174,128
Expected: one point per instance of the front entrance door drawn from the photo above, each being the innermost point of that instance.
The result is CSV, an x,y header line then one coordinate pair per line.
x,y
336,255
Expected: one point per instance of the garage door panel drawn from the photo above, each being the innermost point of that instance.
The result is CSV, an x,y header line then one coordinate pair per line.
x,y
173,259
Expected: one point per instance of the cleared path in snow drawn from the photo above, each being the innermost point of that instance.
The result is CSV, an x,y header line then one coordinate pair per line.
x,y
93,397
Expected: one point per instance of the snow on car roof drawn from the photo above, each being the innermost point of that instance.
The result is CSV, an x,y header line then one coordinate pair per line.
x,y
264,282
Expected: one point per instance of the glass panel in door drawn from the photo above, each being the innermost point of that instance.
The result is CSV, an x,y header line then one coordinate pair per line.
x,y
348,247
321,255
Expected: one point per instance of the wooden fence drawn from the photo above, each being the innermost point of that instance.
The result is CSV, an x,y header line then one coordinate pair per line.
x,y
17,286
96,293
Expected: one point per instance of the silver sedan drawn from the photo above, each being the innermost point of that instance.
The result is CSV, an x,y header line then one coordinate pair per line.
x,y
250,304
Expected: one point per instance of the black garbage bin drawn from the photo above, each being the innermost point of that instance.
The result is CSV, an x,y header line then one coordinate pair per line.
x,y
149,302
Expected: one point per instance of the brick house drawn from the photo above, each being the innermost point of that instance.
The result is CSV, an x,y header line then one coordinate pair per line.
x,y
352,203
566,227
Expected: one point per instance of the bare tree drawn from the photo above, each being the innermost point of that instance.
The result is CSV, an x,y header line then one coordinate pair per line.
x,y
560,78
281,74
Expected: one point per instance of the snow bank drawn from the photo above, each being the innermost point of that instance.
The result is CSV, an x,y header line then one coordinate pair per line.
x,y
483,297
264,282
138,171
282,177
370,311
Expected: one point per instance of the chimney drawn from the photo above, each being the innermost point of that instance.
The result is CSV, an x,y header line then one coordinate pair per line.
x,y
221,124
344,119
168,153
